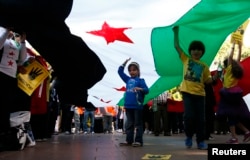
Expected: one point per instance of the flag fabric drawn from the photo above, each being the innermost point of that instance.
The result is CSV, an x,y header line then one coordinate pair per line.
x,y
244,82
116,30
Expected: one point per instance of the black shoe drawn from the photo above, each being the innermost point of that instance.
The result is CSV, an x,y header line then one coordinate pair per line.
x,y
210,138
137,144
156,134
125,144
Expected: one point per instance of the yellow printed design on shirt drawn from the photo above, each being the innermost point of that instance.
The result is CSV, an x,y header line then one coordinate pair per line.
x,y
194,71
195,74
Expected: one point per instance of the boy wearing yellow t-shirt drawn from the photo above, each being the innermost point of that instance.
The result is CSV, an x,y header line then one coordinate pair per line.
x,y
195,74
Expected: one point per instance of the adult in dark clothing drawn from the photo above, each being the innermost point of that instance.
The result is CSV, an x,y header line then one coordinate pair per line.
x,y
67,116
210,103
148,119
53,106
161,115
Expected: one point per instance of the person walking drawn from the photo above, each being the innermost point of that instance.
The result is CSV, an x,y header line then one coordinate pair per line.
x,y
136,89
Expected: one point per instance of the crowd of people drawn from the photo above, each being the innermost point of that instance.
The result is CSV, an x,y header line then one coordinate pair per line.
x,y
49,116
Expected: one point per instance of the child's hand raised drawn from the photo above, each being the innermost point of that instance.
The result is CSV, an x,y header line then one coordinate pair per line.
x,y
126,61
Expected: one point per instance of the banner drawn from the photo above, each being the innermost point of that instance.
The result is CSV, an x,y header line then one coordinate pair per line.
x,y
36,73
237,36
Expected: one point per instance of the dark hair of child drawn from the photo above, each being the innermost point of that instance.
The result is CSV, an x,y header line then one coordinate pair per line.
x,y
196,45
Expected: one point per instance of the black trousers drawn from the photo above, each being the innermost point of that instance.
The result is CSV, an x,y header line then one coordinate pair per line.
x,y
67,116
160,120
8,88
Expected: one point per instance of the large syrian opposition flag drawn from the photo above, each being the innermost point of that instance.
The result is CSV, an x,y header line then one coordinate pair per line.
x,y
116,30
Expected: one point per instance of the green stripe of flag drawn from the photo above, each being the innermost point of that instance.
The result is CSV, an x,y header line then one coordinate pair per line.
x,y
210,21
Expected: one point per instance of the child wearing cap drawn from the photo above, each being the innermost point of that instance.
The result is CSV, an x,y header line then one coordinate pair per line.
x,y
136,89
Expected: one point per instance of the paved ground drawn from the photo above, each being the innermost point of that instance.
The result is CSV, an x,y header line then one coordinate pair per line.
x,y
106,147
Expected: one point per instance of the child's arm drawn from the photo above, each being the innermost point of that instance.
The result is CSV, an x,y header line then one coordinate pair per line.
x,y
176,40
239,54
230,57
3,36
125,62
121,73
143,87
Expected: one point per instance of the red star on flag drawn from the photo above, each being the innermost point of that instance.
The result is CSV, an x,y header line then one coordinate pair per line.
x,y
111,34
10,63
11,53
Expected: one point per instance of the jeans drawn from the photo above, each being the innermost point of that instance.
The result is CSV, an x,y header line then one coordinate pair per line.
x,y
87,115
77,120
107,123
134,121
194,116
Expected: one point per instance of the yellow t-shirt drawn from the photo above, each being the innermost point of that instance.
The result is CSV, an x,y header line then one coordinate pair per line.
x,y
195,74
228,79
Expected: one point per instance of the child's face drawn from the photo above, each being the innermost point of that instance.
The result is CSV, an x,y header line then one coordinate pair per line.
x,y
17,38
196,54
133,71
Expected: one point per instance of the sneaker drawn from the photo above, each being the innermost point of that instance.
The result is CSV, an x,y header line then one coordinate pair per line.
x,y
92,132
146,131
78,132
189,142
67,133
232,141
246,137
202,146
210,138
136,144
85,133
125,144
31,144
39,140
